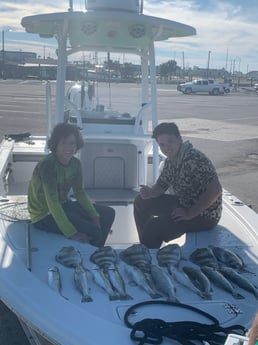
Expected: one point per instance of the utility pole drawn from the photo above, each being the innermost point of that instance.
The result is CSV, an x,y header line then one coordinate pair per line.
x,y
183,57
3,56
208,64
226,60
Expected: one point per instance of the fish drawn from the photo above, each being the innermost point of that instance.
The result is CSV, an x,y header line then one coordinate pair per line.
x,y
219,280
137,255
229,258
54,280
105,257
183,279
163,283
138,277
118,283
204,257
239,280
81,282
136,249
169,255
69,257
199,280
101,280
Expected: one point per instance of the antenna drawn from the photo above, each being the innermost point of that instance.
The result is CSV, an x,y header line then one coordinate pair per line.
x,y
109,86
70,9
141,7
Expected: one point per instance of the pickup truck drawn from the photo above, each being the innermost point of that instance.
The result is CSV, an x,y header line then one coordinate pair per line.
x,y
202,85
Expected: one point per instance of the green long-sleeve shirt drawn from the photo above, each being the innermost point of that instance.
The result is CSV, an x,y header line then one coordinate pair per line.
x,y
48,190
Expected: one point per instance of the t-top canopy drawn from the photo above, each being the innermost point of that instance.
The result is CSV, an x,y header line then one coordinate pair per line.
x,y
106,30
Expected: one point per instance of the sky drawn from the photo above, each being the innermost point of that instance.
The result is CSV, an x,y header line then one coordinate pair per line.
x,y
227,31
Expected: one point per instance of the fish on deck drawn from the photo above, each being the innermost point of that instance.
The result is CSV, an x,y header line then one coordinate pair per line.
x,y
137,255
54,280
199,279
137,277
169,255
69,256
219,280
81,282
204,257
229,258
105,257
163,283
118,283
101,280
239,280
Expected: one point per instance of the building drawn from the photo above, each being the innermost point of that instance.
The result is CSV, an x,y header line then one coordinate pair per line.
x,y
16,56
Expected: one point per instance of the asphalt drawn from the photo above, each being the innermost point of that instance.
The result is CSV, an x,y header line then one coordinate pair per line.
x,y
11,332
224,127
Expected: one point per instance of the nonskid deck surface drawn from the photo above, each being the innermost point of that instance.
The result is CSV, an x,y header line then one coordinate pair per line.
x,y
223,305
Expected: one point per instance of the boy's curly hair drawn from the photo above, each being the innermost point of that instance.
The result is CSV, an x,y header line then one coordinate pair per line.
x,y
64,130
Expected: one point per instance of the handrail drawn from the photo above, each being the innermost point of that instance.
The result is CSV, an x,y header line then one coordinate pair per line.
x,y
139,117
77,112
49,110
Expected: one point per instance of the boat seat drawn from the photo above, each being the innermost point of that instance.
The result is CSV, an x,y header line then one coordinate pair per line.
x,y
112,196
110,171
109,165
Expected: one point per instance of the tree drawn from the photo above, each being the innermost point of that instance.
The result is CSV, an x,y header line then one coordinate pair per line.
x,y
127,71
167,69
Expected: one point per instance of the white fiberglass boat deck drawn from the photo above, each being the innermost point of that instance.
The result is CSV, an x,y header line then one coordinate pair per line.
x,y
24,285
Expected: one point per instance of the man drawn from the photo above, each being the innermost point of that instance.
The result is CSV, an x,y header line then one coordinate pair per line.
x,y
197,200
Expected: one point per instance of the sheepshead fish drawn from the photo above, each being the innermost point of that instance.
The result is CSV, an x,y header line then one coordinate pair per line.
x,y
169,255
137,277
105,257
183,279
81,282
136,249
239,280
204,257
54,280
137,255
163,283
101,280
199,280
118,283
219,280
69,256
228,258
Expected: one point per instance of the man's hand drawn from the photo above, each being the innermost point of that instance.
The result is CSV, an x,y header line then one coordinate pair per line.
x,y
145,192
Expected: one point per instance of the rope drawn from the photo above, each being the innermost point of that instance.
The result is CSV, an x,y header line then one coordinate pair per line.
x,y
152,331
14,211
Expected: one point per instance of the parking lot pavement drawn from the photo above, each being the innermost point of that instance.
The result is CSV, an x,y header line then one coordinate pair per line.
x,y
11,332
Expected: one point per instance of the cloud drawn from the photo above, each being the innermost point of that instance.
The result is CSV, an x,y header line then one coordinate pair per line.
x,y
223,27
18,9
228,29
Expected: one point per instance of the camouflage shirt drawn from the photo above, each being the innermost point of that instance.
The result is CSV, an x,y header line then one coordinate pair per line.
x,y
188,175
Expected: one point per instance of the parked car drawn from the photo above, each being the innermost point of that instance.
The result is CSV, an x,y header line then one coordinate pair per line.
x,y
202,85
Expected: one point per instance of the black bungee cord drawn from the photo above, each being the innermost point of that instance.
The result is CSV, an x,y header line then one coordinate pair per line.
x,y
152,331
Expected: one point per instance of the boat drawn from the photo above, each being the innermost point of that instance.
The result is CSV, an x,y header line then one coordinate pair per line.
x,y
120,157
